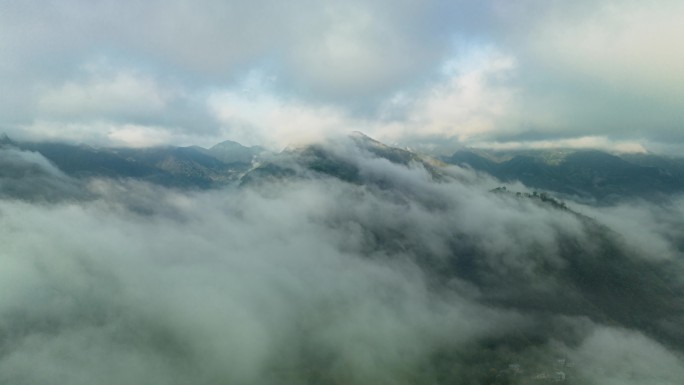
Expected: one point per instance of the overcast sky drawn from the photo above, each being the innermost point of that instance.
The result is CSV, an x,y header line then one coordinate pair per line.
x,y
599,73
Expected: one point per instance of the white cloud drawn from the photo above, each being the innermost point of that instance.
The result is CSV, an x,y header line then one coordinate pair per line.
x,y
470,100
103,94
595,142
275,122
107,133
224,285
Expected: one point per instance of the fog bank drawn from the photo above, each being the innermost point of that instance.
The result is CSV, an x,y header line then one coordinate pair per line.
x,y
400,279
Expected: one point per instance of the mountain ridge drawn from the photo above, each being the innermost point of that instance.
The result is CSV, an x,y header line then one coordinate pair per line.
x,y
584,175
588,176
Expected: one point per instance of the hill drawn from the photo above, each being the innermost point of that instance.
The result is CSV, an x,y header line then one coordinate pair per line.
x,y
584,175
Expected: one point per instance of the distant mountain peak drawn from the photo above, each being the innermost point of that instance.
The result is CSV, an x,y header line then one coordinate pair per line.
x,y
359,134
6,141
365,140
233,152
227,144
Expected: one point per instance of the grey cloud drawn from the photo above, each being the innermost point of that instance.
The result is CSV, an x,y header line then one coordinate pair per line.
x,y
315,52
217,39
244,288
356,57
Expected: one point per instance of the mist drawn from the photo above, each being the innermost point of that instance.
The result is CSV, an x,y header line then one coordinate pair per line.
x,y
404,278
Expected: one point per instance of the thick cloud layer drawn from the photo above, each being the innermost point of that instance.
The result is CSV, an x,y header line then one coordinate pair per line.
x,y
400,279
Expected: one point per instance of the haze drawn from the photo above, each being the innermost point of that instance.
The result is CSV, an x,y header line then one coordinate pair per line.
x,y
341,192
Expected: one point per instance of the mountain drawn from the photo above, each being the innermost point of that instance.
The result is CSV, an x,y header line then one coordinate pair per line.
x,y
233,152
31,177
341,160
588,176
585,175
599,275
193,166
346,249
588,276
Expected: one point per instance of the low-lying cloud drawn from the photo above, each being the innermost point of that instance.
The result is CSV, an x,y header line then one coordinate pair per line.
x,y
400,279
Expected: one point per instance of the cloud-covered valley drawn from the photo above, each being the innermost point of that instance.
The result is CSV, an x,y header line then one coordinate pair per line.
x,y
402,273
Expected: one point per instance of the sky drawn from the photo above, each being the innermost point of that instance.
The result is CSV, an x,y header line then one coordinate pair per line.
x,y
432,74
